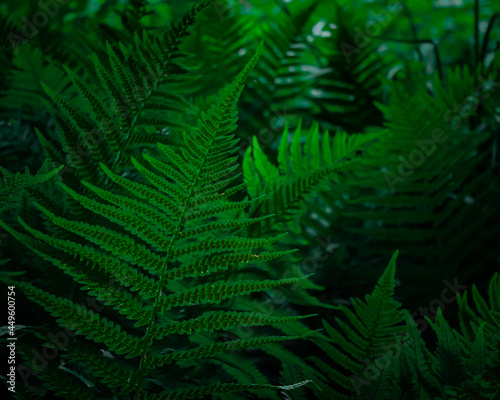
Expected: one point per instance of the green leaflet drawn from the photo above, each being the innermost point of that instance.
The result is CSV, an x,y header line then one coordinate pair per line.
x,y
449,366
422,380
211,264
213,349
221,320
215,292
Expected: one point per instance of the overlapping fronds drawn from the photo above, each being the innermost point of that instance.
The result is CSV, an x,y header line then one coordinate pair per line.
x,y
380,353
431,176
304,160
355,72
162,239
137,106
13,187
372,327
30,69
280,82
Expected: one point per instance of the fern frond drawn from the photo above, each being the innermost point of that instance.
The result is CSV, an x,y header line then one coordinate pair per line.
x,y
375,323
405,365
449,366
300,168
175,222
13,187
480,356
469,319
354,76
136,102
422,380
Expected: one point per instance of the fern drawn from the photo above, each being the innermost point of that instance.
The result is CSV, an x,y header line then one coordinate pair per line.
x,y
443,192
301,167
25,89
155,269
135,103
281,82
13,187
373,208
470,322
219,46
354,79
181,200
375,323
380,353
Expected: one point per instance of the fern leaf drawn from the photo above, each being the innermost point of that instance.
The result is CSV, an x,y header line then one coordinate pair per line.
x,y
479,352
449,365
299,170
376,322
423,380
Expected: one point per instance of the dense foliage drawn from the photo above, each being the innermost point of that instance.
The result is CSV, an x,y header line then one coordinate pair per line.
x,y
219,185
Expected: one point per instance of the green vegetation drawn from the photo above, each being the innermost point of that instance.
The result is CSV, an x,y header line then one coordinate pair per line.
x,y
219,185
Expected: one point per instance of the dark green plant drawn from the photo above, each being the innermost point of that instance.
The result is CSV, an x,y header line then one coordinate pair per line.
x,y
431,209
188,253
377,351
166,235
